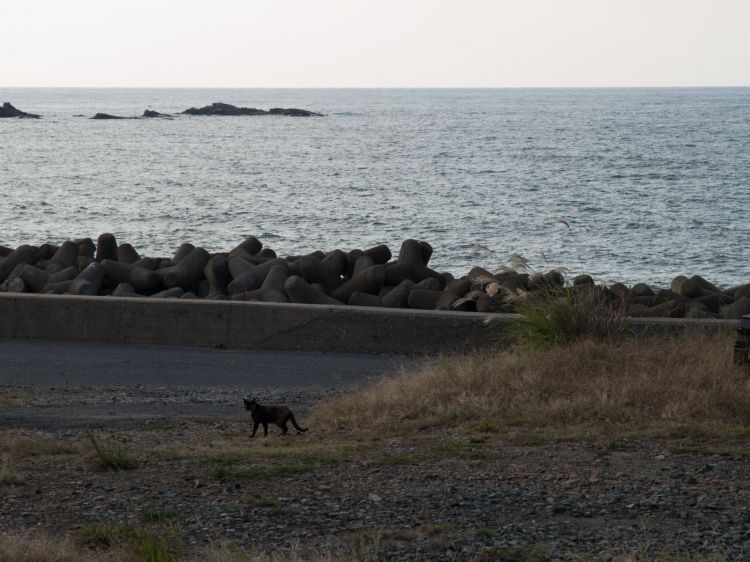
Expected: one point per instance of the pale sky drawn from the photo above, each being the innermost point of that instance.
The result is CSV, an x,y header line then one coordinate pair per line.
x,y
375,43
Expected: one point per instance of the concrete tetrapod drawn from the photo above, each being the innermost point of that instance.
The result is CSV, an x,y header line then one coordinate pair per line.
x,y
459,287
253,277
411,252
315,270
363,263
13,275
369,281
47,250
124,290
697,287
82,262
397,272
464,304
738,308
188,271
351,259
34,278
364,299
327,272
88,281
144,280
147,263
65,256
22,254
273,285
116,272
426,299
238,265
429,283
272,289
58,288
300,291
398,297
127,254
183,250
15,285
550,280
738,291
216,271
379,254
715,301
250,246
173,293
106,247
676,285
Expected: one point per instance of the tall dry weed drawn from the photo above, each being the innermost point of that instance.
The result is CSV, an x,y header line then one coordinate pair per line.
x,y
562,316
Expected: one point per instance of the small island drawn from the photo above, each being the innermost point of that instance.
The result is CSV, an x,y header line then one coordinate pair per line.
x,y
7,110
223,109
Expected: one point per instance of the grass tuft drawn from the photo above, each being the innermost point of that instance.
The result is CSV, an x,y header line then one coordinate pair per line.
x,y
145,544
116,459
158,515
259,501
8,477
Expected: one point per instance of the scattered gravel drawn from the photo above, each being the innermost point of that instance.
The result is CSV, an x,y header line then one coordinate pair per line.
x,y
434,497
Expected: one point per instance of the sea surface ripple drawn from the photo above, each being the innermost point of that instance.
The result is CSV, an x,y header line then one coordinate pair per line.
x,y
625,184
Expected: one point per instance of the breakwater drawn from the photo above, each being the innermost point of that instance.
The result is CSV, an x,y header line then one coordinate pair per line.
x,y
369,277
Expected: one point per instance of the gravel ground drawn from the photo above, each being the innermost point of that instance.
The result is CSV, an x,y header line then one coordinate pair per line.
x,y
435,496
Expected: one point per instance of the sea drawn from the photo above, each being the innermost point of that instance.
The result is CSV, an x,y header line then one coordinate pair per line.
x,y
630,185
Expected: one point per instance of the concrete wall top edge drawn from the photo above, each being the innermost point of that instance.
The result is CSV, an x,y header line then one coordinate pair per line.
x,y
344,309
262,305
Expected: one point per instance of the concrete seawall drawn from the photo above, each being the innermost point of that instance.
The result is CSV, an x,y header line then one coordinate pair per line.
x,y
266,326
246,325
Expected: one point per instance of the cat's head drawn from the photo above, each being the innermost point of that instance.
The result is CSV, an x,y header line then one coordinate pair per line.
x,y
250,403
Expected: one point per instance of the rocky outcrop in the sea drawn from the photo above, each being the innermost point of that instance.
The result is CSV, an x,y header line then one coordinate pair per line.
x,y
108,116
359,277
149,114
7,110
223,109
293,112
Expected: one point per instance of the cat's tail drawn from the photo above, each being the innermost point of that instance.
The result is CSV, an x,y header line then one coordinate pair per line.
x,y
294,423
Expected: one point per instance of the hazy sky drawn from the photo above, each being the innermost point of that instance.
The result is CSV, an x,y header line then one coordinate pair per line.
x,y
375,43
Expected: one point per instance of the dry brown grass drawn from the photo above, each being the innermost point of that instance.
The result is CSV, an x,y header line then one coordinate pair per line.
x,y
652,384
13,398
41,547
23,443
8,476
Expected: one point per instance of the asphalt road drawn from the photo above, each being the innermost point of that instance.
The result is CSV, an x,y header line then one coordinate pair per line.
x,y
69,384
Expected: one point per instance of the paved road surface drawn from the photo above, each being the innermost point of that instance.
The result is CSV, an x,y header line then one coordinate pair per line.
x,y
66,384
